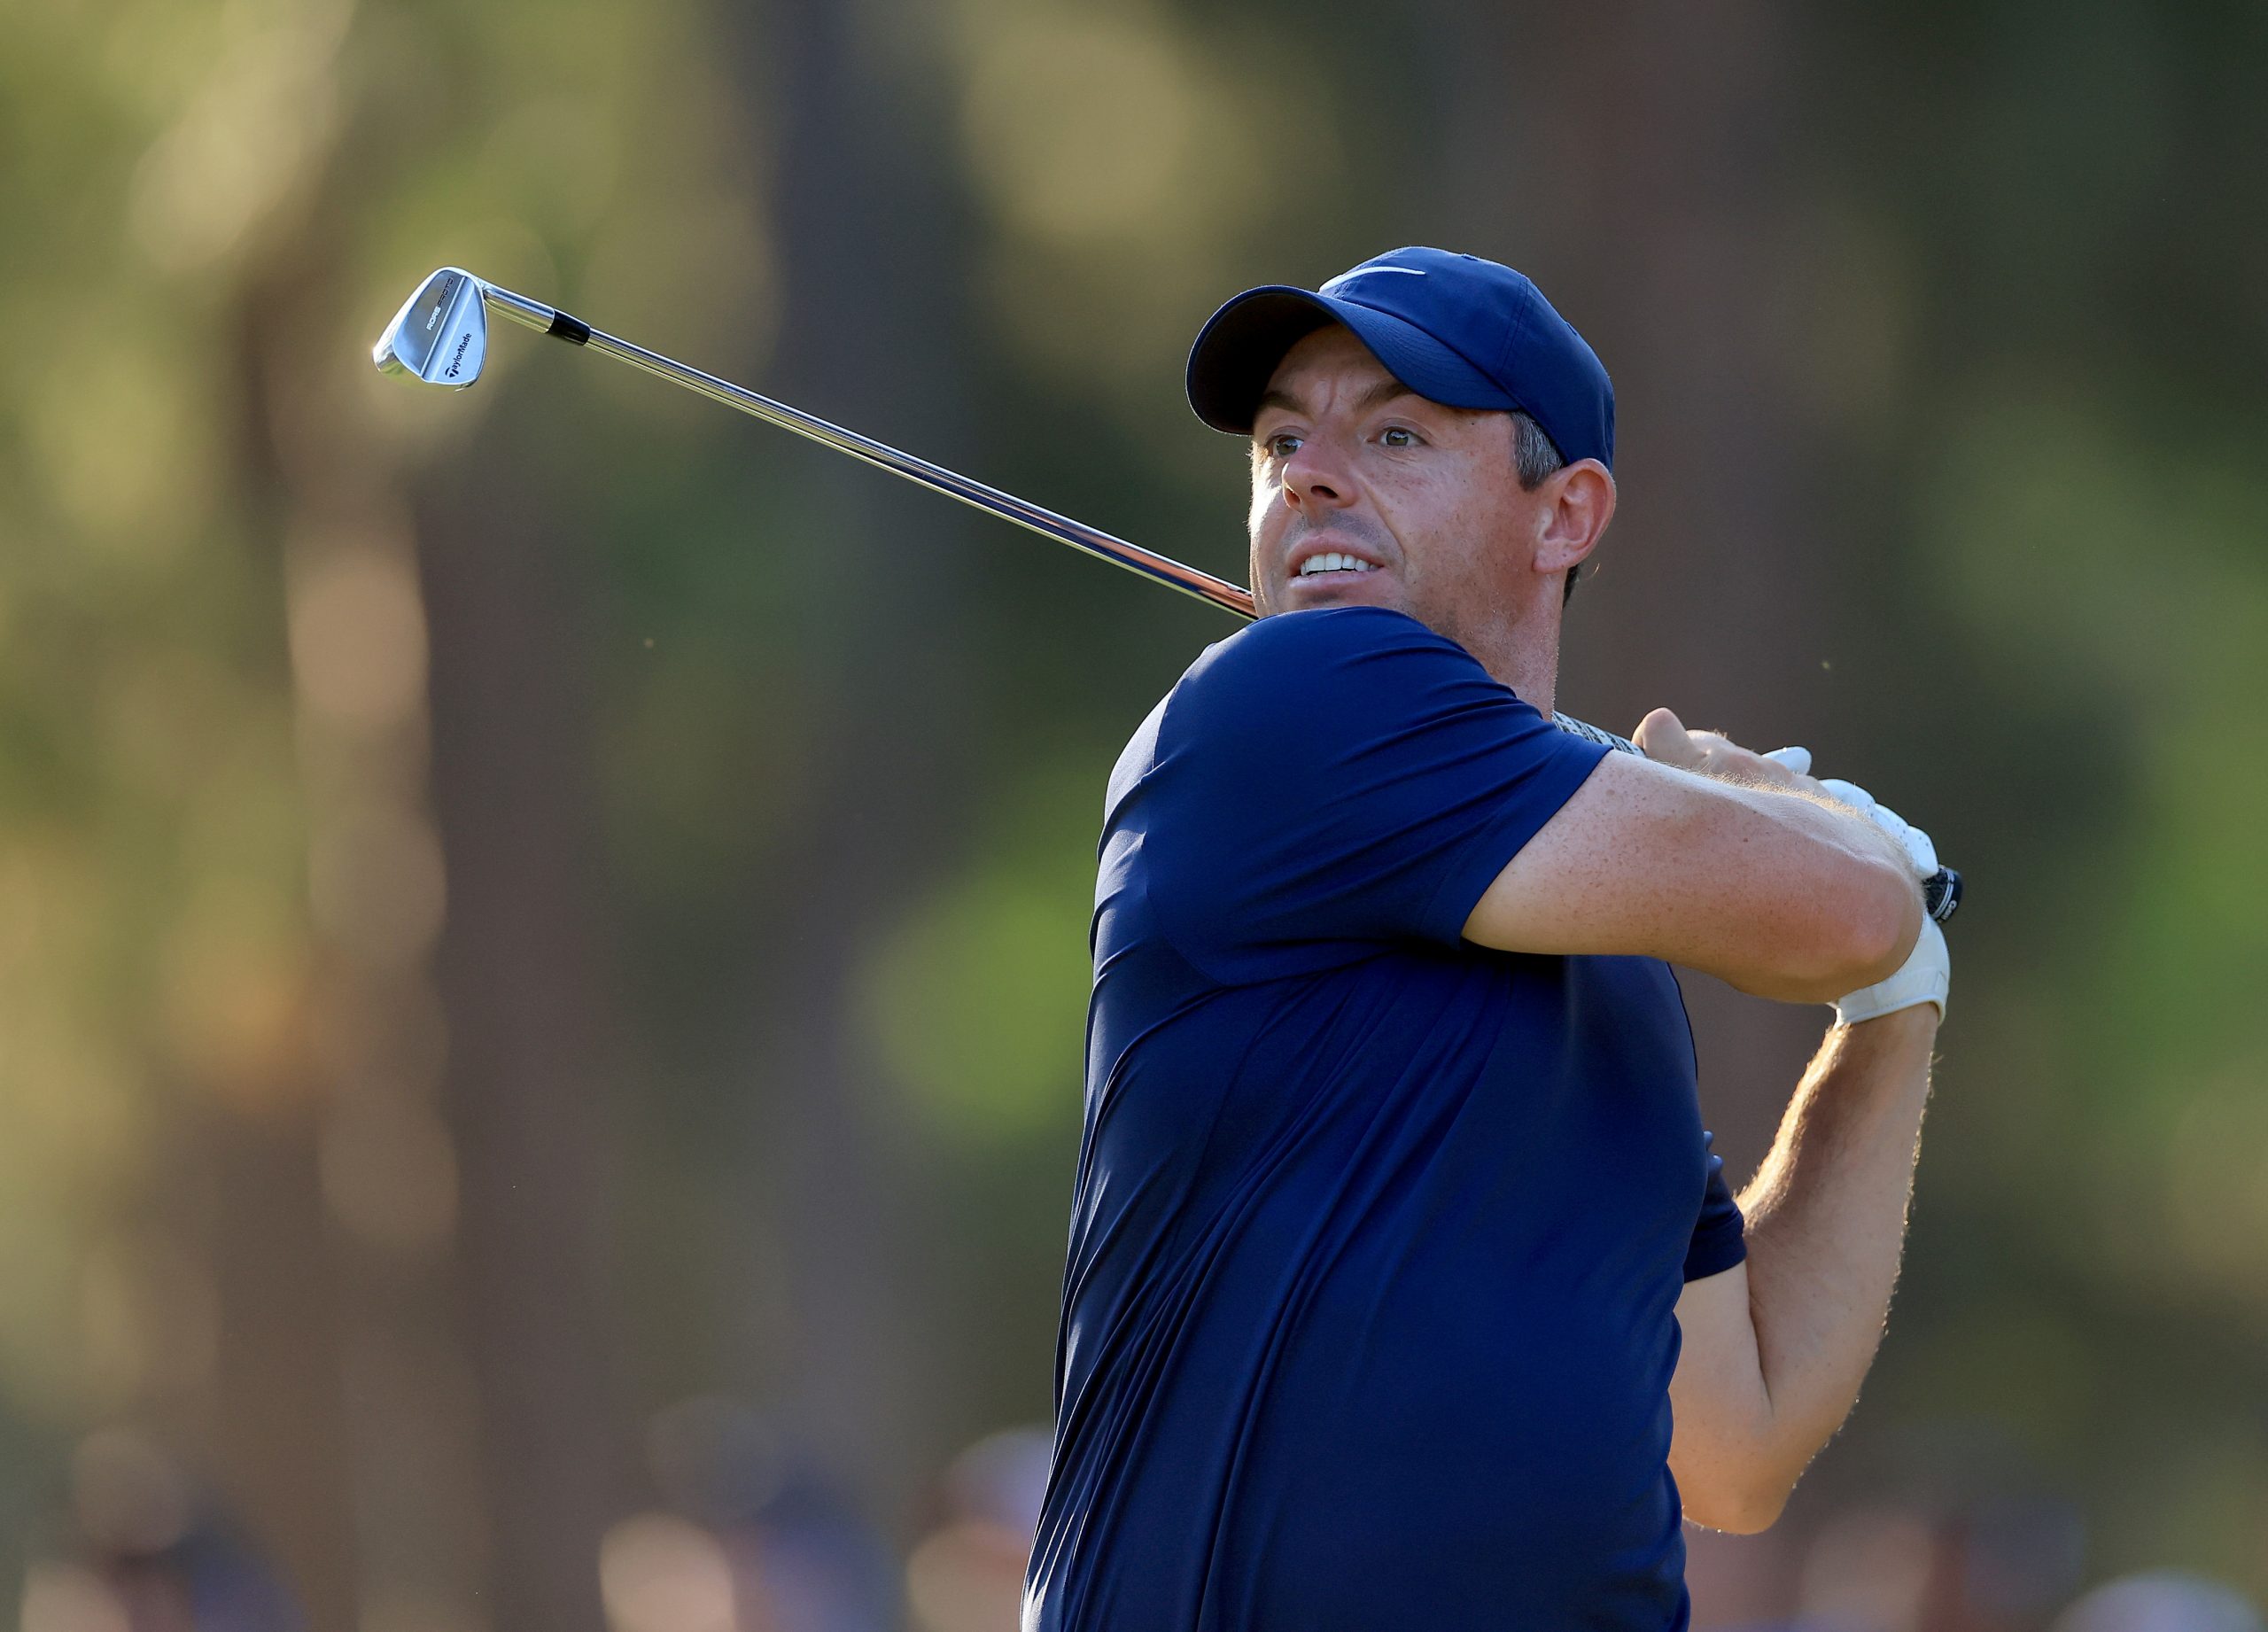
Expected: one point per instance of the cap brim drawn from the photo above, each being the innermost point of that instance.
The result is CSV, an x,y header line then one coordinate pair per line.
x,y
1240,348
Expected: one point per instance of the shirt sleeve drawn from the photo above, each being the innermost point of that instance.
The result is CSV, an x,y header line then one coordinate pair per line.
x,y
1326,780
1718,1240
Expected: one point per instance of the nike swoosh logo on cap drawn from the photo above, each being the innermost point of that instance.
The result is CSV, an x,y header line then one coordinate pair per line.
x,y
1368,271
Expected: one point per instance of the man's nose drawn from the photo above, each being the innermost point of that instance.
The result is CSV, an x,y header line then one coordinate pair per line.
x,y
1314,479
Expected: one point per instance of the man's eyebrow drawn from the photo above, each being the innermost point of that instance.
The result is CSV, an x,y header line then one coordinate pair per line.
x,y
1273,398
1384,390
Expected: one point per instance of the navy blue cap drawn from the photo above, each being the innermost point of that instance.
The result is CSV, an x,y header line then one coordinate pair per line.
x,y
1458,330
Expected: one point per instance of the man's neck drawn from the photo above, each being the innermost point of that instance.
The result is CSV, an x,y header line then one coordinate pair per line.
x,y
1523,656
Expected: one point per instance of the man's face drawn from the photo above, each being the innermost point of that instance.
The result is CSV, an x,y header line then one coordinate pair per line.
x,y
1364,493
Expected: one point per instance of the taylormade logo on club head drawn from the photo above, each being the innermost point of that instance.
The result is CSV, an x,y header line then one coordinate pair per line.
x,y
457,362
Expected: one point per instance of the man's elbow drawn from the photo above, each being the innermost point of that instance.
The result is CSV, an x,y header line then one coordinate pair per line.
x,y
1884,923
1860,936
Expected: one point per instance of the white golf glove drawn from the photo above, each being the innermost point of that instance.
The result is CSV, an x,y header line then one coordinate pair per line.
x,y
1926,972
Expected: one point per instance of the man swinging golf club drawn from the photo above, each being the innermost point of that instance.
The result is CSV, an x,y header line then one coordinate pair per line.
x,y
1394,1202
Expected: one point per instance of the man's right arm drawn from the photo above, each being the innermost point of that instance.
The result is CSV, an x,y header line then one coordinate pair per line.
x,y
1780,893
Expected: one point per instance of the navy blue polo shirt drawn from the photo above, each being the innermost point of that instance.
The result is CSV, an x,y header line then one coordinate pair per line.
x,y
1378,1235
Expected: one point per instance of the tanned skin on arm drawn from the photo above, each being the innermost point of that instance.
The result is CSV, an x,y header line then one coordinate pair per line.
x,y
1779,896
1709,856
1776,1348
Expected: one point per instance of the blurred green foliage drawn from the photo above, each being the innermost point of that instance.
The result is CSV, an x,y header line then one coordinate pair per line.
x,y
976,998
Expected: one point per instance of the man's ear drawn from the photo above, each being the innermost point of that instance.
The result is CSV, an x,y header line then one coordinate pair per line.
x,y
1580,502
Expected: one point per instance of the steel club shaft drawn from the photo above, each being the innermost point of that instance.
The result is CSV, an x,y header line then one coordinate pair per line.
x,y
438,337
1064,529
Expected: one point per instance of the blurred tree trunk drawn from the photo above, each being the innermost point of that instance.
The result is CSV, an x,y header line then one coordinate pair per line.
x,y
361,1253
1643,178
277,1432
283,1429
872,333
527,999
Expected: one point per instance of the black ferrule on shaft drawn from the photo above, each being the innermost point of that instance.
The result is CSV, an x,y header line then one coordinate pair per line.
x,y
572,329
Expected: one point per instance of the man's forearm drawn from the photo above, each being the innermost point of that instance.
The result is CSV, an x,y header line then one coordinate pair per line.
x,y
1827,1224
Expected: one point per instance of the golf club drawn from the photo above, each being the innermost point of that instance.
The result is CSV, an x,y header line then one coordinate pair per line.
x,y
440,336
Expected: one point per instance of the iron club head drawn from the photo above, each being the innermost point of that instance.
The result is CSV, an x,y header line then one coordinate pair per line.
x,y
440,335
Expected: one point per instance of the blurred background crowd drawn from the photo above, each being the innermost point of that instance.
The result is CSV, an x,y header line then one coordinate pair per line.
x,y
542,932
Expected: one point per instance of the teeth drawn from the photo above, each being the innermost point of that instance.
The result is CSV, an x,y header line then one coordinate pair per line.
x,y
1333,562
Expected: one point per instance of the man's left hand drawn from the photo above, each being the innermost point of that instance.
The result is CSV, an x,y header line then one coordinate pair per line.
x,y
1927,974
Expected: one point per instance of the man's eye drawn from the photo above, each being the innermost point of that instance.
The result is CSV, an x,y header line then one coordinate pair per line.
x,y
1398,436
1283,444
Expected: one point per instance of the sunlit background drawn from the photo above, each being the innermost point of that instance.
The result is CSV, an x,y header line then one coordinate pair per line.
x,y
542,931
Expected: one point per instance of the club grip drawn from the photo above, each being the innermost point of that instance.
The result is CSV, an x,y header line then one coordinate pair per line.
x,y
1940,892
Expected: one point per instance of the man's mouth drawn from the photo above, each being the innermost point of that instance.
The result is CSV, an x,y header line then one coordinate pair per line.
x,y
1329,561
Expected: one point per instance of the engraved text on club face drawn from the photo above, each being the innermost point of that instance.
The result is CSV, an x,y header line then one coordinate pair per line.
x,y
441,306
457,362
